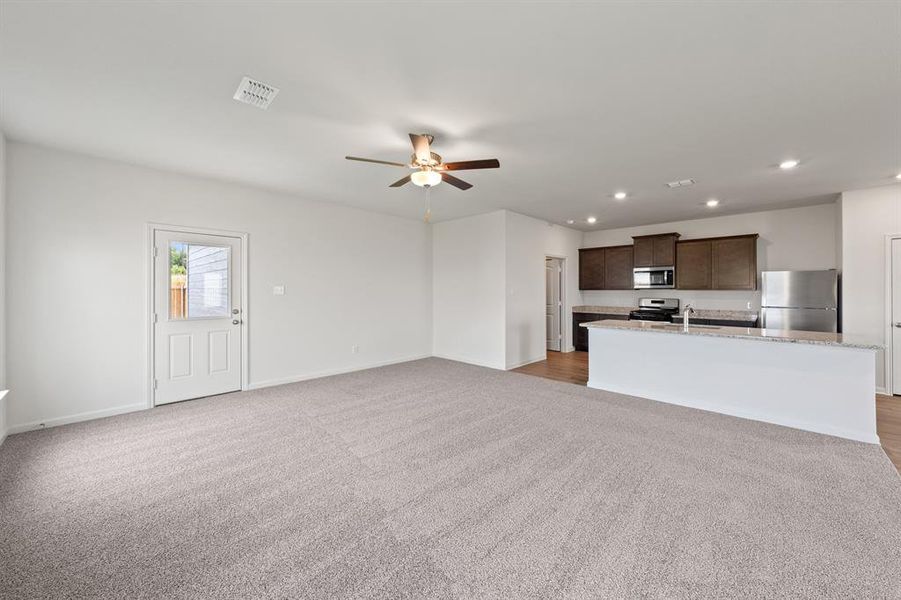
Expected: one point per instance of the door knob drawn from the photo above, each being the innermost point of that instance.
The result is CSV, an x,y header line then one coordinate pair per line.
x,y
235,311
897,324
236,322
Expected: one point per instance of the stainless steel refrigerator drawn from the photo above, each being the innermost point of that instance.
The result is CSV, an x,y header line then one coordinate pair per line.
x,y
800,300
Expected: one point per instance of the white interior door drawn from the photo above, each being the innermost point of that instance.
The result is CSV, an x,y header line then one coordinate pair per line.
x,y
553,270
896,317
197,315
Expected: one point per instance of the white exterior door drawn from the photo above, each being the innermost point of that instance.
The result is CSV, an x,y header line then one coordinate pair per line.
x,y
197,315
553,271
896,317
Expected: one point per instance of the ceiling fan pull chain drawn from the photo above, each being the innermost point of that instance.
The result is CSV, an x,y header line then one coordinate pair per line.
x,y
428,203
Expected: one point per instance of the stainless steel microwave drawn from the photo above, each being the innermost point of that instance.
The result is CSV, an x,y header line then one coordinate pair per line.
x,y
651,278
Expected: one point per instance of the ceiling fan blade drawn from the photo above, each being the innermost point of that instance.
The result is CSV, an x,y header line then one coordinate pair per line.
x,y
401,182
421,147
379,162
454,181
488,163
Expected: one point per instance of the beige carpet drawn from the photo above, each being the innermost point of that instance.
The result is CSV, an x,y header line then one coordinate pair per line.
x,y
434,479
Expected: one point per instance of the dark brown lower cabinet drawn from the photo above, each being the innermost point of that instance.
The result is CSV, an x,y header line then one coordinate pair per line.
x,y
580,334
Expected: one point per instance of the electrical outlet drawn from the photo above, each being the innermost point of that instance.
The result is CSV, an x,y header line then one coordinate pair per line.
x,y
278,290
354,349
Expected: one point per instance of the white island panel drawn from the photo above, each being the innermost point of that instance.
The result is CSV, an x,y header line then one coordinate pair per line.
x,y
823,388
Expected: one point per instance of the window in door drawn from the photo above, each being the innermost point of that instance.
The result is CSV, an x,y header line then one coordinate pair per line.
x,y
198,281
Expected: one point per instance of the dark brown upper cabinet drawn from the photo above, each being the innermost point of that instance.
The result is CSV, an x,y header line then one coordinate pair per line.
x,y
618,271
592,268
694,265
608,268
724,263
644,252
735,263
657,250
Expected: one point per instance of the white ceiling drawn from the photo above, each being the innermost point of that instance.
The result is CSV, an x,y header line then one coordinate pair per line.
x,y
577,100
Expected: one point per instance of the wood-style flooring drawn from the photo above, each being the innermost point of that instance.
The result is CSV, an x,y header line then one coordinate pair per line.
x,y
572,367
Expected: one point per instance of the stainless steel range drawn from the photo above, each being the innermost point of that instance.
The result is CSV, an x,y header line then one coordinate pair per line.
x,y
655,309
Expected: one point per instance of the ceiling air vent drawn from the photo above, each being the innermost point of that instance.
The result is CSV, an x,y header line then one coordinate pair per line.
x,y
680,183
256,93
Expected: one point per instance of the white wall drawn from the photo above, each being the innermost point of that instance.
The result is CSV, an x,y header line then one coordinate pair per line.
x,y
3,410
867,217
525,287
528,242
489,303
76,281
468,289
790,239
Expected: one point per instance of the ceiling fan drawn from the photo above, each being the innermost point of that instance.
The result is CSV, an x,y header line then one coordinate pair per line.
x,y
430,168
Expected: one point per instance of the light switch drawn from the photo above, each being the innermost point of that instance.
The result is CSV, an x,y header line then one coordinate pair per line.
x,y
278,290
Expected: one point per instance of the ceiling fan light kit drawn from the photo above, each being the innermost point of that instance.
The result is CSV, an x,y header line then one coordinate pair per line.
x,y
426,178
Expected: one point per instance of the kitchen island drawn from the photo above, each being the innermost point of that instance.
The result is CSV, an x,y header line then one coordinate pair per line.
x,y
822,382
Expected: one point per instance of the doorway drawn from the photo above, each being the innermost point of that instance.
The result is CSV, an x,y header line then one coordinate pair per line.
x,y
895,316
197,314
553,273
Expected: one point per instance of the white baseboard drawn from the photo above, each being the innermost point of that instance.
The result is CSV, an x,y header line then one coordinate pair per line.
x,y
3,416
297,378
85,416
526,362
468,361
881,391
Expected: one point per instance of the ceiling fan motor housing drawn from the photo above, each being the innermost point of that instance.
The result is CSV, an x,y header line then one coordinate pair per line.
x,y
434,160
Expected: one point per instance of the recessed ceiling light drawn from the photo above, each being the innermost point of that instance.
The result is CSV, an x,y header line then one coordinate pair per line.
x,y
789,164
713,202
620,195
592,220
898,176
570,221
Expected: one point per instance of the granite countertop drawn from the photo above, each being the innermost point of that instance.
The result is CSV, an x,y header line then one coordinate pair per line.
x,y
700,313
603,310
749,333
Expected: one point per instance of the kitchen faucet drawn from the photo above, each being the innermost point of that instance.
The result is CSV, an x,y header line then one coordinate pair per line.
x,y
688,310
